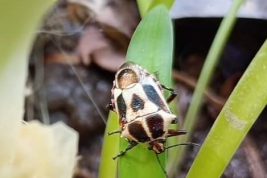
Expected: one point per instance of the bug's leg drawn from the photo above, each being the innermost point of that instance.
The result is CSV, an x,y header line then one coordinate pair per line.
x,y
114,132
130,146
173,93
172,132
110,106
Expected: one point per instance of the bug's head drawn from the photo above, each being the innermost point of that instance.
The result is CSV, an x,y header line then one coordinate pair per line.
x,y
157,146
128,73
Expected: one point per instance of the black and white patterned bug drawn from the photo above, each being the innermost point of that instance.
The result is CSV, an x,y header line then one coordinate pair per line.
x,y
144,114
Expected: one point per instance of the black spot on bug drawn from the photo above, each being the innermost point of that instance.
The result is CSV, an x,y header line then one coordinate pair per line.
x,y
137,131
137,103
154,96
155,124
121,107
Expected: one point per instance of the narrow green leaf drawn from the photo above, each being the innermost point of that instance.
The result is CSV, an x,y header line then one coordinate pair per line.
x,y
237,116
207,72
151,47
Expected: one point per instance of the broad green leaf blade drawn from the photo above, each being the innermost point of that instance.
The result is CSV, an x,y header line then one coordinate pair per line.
x,y
108,167
152,44
236,118
151,47
18,24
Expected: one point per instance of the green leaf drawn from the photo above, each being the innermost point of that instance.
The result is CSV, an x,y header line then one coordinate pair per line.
x,y
143,6
207,72
146,5
152,44
236,118
167,3
151,47
108,167
18,24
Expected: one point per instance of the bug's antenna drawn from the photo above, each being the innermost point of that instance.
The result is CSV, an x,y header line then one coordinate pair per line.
x,y
164,171
188,143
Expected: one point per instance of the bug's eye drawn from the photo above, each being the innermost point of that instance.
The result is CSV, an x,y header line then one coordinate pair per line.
x,y
126,77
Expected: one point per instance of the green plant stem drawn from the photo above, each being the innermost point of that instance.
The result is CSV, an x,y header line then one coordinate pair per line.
x,y
207,71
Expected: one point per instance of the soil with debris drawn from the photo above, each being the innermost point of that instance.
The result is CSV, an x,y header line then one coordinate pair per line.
x,y
78,50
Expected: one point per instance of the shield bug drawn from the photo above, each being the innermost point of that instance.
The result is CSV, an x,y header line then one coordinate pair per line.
x,y
133,88
144,114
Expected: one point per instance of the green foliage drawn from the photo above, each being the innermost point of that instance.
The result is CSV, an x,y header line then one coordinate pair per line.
x,y
18,23
146,5
108,167
151,47
236,118
207,72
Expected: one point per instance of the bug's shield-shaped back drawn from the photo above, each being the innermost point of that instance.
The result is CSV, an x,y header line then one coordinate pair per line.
x,y
133,102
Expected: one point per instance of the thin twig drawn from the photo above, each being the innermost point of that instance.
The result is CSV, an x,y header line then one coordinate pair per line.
x,y
215,100
256,166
